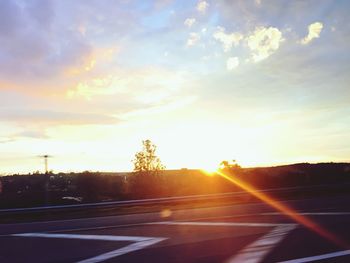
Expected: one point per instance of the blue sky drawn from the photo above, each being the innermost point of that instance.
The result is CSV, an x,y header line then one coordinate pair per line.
x,y
262,82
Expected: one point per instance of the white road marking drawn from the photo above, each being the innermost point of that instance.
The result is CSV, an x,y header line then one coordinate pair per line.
x,y
190,223
319,257
86,237
312,213
256,251
139,243
123,250
253,253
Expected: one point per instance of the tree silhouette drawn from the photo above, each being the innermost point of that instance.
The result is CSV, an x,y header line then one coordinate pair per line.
x,y
229,165
146,160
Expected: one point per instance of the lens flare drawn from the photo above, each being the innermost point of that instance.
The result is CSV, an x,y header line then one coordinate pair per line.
x,y
302,220
165,213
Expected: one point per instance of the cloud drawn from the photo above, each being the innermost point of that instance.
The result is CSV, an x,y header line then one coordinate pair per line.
x,y
314,32
171,105
6,140
48,117
193,39
227,40
33,133
42,41
136,87
202,6
25,132
189,22
232,63
9,24
264,42
37,52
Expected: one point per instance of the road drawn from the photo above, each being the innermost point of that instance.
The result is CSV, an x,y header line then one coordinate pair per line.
x,y
239,233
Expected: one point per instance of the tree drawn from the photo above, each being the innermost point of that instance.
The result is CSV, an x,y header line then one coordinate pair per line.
x,y
145,182
233,165
146,160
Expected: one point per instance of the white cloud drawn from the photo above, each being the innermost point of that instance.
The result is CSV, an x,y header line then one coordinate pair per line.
x,y
193,39
264,42
138,86
189,22
202,6
232,63
48,117
227,40
314,32
165,107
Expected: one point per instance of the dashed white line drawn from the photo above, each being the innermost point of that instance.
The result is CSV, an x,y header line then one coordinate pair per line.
x,y
318,257
257,251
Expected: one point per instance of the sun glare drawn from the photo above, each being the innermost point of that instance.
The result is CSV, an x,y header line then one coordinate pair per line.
x,y
210,171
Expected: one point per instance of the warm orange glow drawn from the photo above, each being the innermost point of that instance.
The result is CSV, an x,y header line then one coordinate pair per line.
x,y
303,220
209,171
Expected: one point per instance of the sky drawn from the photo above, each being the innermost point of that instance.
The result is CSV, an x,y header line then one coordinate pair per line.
x,y
85,81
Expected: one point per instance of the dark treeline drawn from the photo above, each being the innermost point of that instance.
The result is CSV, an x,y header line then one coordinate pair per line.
x,y
54,189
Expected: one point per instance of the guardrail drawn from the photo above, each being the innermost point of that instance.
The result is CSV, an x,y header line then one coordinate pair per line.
x,y
151,201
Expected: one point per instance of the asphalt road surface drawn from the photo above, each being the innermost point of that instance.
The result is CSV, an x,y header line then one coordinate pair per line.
x,y
238,233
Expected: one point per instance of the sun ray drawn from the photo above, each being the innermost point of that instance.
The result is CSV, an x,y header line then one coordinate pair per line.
x,y
291,213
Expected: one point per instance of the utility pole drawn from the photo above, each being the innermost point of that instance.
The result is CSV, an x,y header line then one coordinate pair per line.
x,y
47,178
46,162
